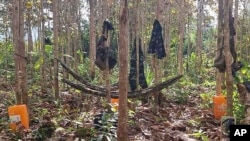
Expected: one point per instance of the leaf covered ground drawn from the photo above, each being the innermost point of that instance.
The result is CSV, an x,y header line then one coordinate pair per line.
x,y
185,115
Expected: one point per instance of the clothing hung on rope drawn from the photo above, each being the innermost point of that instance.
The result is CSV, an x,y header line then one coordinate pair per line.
x,y
133,72
103,52
220,62
156,45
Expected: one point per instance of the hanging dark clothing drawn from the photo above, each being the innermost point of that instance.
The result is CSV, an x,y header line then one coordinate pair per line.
x,y
236,65
220,62
156,45
132,73
247,85
103,52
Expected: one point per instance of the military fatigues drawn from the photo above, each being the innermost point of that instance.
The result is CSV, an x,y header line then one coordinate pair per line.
x,y
156,45
132,73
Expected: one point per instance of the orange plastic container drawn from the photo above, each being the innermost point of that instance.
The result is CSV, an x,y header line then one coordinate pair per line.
x,y
115,102
219,106
18,113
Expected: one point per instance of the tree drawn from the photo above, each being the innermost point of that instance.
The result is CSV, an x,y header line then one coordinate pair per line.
x,y
56,48
76,31
199,34
122,132
219,75
182,23
30,40
42,49
19,52
167,32
135,37
92,31
236,8
68,36
228,57
158,63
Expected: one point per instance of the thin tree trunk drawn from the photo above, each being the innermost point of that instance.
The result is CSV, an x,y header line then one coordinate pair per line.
x,y
122,132
199,35
80,45
219,45
236,8
73,30
17,57
228,57
188,48
107,71
42,47
56,48
167,34
22,52
67,8
20,59
76,35
181,35
157,63
30,42
243,29
137,41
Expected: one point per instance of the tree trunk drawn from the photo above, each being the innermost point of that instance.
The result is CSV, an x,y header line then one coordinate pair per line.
x,y
137,41
92,49
30,42
76,7
228,57
135,36
74,31
67,9
167,35
56,50
19,56
157,64
242,30
236,8
219,45
107,71
181,35
189,40
122,132
199,35
43,53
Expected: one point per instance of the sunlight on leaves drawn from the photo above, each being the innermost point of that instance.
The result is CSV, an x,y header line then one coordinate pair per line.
x,y
38,63
28,5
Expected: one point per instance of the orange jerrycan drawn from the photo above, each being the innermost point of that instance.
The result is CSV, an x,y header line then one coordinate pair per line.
x,y
115,102
219,106
18,113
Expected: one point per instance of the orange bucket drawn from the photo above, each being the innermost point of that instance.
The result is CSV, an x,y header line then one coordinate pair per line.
x,y
219,106
18,113
115,102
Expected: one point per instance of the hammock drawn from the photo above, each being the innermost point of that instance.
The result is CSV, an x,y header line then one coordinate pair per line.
x,y
89,88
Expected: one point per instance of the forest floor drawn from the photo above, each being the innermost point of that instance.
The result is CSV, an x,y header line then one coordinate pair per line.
x,y
72,118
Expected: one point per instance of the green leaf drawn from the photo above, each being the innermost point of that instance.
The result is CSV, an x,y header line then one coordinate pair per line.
x,y
38,63
204,138
244,70
1,58
48,49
